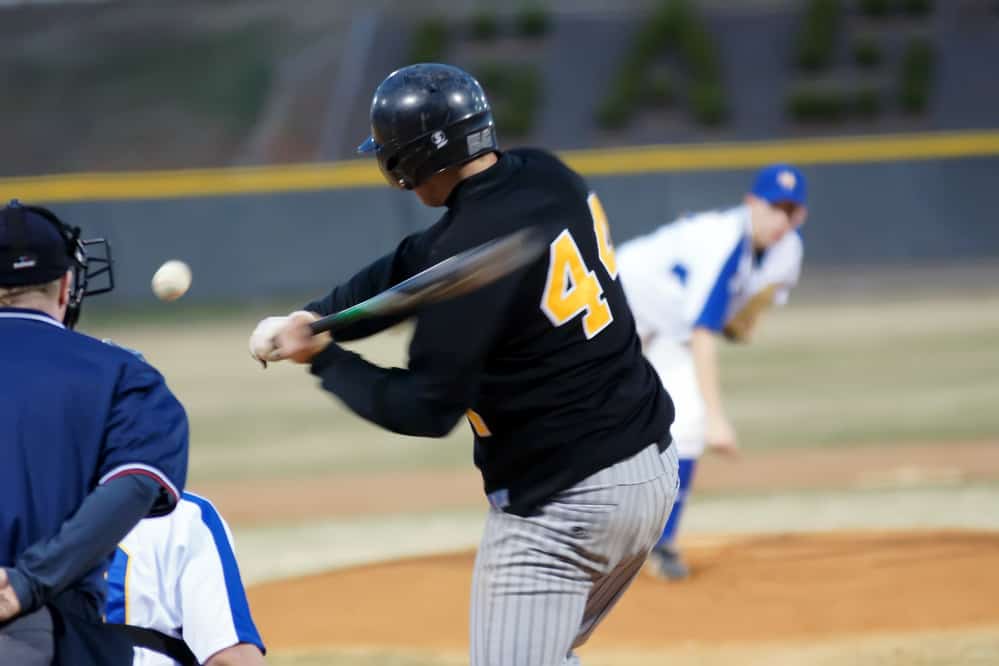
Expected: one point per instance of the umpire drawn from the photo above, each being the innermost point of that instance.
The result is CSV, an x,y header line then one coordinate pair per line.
x,y
91,441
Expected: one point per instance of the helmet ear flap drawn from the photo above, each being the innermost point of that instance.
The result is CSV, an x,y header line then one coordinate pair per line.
x,y
413,164
388,164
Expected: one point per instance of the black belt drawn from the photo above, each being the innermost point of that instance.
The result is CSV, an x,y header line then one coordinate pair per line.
x,y
151,639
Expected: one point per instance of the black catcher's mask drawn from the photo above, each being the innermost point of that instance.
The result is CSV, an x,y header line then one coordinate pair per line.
x,y
37,247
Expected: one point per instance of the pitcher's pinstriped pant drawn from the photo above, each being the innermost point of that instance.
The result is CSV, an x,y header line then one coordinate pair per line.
x,y
542,583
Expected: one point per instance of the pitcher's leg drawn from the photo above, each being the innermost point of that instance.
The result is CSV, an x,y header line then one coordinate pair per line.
x,y
676,369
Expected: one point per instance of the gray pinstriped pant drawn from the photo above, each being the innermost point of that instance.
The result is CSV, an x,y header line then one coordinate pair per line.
x,y
542,583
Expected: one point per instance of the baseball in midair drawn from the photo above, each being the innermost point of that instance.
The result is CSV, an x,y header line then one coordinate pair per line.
x,y
171,280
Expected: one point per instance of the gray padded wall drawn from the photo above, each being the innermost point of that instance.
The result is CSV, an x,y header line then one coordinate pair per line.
x,y
298,244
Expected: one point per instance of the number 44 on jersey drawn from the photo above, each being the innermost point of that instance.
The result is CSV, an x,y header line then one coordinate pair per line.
x,y
571,287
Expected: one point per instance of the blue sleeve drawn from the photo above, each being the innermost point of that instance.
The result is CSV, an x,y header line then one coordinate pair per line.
x,y
146,434
239,607
712,315
83,542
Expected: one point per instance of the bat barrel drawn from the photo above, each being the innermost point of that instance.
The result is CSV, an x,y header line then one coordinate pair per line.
x,y
457,275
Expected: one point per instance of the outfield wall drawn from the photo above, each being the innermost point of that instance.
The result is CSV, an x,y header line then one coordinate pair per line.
x,y
248,242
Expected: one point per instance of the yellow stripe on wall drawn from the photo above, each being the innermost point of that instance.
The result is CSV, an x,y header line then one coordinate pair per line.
x,y
600,162
837,150
191,182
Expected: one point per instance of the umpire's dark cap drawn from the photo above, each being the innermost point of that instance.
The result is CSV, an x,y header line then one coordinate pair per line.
x,y
32,248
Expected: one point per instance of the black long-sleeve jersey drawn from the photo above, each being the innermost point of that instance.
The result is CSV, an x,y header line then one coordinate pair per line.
x,y
545,363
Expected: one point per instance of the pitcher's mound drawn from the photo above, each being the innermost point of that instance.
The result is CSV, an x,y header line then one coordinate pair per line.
x,y
797,586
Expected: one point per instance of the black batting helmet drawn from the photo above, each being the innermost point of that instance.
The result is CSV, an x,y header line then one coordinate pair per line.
x,y
426,118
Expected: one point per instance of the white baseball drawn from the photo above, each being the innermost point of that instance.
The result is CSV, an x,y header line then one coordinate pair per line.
x,y
171,280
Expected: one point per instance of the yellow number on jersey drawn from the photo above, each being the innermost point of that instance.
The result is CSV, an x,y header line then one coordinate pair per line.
x,y
478,423
571,288
602,229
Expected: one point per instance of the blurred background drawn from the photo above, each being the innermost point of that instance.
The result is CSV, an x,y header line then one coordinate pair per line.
x,y
222,133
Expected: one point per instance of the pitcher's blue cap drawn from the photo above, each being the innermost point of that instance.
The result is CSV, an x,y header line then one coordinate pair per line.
x,y
781,182
32,249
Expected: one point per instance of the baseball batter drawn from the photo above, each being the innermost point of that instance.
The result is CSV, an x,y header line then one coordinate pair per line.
x,y
178,575
570,421
701,276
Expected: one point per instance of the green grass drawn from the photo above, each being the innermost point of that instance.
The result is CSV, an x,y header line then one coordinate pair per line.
x,y
247,422
816,375
364,658
965,647
884,372
346,658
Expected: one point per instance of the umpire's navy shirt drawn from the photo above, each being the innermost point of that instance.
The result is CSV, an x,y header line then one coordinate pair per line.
x,y
76,412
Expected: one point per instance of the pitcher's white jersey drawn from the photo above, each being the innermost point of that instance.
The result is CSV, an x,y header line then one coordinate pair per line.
x,y
699,271
177,574
780,266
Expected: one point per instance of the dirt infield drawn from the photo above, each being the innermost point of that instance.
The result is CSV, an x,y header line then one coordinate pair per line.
x,y
766,588
290,500
775,592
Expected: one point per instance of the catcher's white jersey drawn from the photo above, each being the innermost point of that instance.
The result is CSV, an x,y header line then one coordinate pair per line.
x,y
699,271
177,574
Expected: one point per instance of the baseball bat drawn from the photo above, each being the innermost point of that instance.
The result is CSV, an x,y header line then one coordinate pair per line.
x,y
459,274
